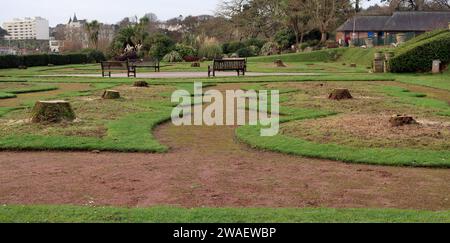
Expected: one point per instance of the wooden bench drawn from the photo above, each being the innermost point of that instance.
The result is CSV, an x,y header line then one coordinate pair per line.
x,y
146,63
111,66
228,64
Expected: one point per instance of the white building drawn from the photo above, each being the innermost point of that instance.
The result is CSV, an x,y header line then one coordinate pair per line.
x,y
36,28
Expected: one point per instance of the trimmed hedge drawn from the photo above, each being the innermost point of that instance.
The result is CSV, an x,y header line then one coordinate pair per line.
x,y
417,56
12,61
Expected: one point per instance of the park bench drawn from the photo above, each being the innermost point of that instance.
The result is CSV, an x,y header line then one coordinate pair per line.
x,y
146,63
228,64
112,66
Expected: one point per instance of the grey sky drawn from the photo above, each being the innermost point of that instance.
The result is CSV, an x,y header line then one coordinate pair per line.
x,y
107,11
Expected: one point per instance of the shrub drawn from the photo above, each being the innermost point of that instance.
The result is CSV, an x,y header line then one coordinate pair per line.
x,y
248,51
173,56
185,50
303,46
35,60
417,56
210,51
94,56
285,38
232,47
270,48
10,61
191,59
255,42
161,44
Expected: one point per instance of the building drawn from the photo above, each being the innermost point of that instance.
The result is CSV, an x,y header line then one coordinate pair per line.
x,y
386,30
55,46
36,28
7,51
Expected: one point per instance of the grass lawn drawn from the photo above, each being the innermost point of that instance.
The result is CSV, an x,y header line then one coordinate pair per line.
x,y
72,214
335,143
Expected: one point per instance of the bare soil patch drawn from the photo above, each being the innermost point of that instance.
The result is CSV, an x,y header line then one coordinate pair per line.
x,y
372,130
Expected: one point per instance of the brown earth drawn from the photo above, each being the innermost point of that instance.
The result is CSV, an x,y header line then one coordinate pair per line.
x,y
208,167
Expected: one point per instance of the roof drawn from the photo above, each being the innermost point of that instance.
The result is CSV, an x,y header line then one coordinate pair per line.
x,y
399,22
365,23
417,21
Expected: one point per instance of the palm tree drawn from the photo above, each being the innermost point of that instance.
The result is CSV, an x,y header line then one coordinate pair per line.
x,y
93,30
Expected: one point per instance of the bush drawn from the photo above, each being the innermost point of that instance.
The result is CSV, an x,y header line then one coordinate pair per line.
x,y
210,51
191,59
417,56
270,48
185,50
35,60
173,56
232,47
255,42
161,44
11,61
285,38
94,56
248,51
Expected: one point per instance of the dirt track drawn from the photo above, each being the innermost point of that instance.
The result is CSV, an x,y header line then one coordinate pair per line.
x,y
207,167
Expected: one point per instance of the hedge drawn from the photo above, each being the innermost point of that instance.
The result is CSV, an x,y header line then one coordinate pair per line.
x,y
417,56
12,61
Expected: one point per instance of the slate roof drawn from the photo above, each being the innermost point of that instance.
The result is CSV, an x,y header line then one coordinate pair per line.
x,y
399,22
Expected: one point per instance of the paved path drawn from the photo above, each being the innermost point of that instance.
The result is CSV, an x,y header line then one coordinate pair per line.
x,y
184,75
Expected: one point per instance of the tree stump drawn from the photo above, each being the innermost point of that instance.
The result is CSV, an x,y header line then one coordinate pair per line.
x,y
195,65
340,94
111,94
279,63
402,120
52,112
353,65
140,84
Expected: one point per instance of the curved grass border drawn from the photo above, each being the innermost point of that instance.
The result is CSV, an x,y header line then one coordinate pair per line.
x,y
76,214
376,156
121,136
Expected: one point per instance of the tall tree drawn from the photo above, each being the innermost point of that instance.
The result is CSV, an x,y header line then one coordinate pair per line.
x,y
3,33
298,18
415,5
93,30
327,13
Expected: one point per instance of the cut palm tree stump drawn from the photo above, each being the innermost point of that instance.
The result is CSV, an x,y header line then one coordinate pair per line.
x,y
340,94
111,94
279,63
353,65
401,120
195,64
140,84
52,112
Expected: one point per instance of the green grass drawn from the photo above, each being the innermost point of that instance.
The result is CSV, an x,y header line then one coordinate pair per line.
x,y
378,156
315,56
5,110
7,95
418,100
31,89
73,214
131,133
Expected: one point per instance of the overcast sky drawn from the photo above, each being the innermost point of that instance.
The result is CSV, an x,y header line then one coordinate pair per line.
x,y
107,11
